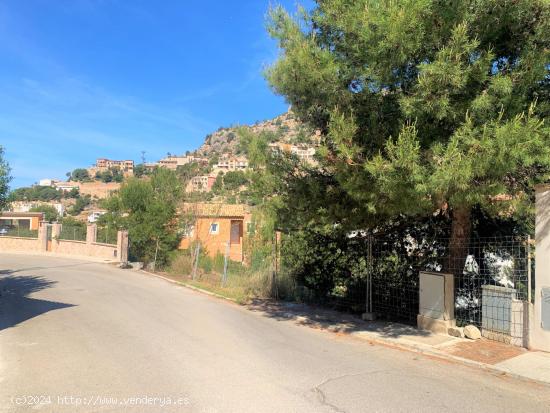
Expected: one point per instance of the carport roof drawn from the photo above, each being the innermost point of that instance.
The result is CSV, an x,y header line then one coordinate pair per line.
x,y
8,214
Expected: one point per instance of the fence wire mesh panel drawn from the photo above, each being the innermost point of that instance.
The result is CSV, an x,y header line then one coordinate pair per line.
x,y
333,276
72,233
396,263
380,275
491,277
106,235
16,231
492,285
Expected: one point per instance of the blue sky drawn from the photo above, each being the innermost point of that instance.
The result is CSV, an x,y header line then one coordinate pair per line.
x,y
81,79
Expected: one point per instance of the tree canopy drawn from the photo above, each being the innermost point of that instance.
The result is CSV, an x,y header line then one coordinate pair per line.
x,y
424,105
110,175
80,175
50,213
148,210
36,193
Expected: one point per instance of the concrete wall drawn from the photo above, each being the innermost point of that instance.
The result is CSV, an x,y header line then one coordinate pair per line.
x,y
20,244
539,338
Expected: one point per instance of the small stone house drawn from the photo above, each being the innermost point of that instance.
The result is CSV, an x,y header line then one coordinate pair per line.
x,y
217,226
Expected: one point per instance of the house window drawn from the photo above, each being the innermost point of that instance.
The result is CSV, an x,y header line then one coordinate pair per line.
x,y
214,228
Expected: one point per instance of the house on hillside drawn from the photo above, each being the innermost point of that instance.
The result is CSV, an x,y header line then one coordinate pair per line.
x,y
94,216
46,182
172,162
216,226
125,166
303,152
226,164
66,186
26,206
202,183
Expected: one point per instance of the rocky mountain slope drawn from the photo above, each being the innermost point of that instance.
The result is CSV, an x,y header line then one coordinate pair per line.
x,y
285,129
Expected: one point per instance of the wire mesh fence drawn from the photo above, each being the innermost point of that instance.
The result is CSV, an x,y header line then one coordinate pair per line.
x,y
72,233
106,235
492,281
16,231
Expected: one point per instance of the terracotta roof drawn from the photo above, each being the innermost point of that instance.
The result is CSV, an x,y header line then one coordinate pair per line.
x,y
216,210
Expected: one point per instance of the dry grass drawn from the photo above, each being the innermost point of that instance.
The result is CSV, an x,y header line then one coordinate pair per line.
x,y
180,265
242,283
239,287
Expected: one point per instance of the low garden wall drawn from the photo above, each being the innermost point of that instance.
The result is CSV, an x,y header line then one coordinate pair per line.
x,y
84,249
19,244
49,241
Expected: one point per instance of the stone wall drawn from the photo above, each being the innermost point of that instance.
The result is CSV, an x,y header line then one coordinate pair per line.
x,y
88,248
82,248
19,244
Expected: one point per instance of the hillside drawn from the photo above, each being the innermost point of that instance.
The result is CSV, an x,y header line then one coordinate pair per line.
x,y
284,128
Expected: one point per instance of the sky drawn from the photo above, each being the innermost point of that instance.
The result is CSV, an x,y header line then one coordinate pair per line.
x,y
82,79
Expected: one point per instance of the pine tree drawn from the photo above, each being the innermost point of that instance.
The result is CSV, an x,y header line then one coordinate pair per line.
x,y
424,105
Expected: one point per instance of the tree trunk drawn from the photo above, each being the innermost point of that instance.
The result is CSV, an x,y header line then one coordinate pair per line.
x,y
461,229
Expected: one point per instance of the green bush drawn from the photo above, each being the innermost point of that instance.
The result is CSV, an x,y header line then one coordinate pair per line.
x,y
206,263
218,263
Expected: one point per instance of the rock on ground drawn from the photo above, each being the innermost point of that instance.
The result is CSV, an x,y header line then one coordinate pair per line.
x,y
472,332
456,332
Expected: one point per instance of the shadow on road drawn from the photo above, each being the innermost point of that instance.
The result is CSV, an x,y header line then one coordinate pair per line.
x,y
320,317
79,264
16,306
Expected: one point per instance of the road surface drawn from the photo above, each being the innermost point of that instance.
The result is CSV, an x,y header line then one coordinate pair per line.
x,y
84,337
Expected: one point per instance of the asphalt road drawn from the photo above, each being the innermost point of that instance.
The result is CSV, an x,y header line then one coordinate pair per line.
x,y
79,336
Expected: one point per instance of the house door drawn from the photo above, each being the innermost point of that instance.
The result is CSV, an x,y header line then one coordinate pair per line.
x,y
236,231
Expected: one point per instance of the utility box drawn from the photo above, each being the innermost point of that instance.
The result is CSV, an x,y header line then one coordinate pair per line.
x,y
502,315
436,302
496,308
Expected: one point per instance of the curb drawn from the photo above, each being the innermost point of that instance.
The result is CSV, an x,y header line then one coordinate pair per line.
x,y
449,357
419,349
191,287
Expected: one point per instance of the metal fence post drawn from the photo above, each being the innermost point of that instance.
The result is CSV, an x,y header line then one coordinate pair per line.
x,y
196,263
369,314
225,262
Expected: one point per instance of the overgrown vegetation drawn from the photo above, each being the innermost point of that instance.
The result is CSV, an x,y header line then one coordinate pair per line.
x,y
35,193
110,175
50,213
148,210
81,203
242,284
424,107
79,175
